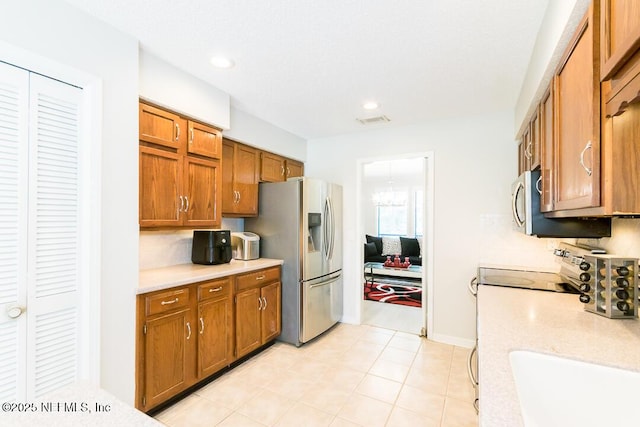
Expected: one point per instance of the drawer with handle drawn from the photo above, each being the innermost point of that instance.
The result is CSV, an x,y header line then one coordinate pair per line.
x,y
214,289
257,278
166,301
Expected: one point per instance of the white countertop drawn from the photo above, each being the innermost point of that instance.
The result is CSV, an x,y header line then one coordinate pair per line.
x,y
182,274
78,405
546,322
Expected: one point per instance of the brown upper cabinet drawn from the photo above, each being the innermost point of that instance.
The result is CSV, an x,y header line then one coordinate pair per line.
x,y
577,119
274,168
596,125
620,34
240,177
529,147
546,151
180,171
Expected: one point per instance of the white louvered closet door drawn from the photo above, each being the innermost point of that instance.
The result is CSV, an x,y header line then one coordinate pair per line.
x,y
47,280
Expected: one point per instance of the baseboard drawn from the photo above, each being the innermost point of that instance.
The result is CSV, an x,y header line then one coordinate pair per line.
x,y
448,339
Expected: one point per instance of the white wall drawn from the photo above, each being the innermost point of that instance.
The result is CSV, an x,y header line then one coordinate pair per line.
x,y
174,89
258,133
474,165
62,37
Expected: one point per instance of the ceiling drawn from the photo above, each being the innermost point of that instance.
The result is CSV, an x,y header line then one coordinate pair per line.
x,y
307,66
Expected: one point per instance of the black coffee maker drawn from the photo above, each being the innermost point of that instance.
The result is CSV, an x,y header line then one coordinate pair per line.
x,y
211,247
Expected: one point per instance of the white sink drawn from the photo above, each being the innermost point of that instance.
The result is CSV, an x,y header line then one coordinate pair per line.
x,y
555,391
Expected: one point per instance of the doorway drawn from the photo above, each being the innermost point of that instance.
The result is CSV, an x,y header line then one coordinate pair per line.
x,y
395,213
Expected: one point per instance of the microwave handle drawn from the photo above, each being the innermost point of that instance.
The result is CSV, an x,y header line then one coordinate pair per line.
x,y
514,208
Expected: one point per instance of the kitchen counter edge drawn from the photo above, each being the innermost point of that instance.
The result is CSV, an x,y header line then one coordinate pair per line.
x,y
157,279
545,322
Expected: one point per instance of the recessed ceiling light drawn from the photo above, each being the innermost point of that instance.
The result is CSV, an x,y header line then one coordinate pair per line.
x,y
222,62
371,105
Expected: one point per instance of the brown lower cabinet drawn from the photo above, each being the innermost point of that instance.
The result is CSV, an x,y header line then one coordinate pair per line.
x,y
188,333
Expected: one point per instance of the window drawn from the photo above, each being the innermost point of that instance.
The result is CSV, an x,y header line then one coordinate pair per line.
x,y
400,215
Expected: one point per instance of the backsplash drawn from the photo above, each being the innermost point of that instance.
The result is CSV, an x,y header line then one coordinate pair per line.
x,y
624,240
501,245
162,248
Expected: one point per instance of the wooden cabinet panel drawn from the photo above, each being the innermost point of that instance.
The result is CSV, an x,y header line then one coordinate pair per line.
x,y
546,152
294,168
271,313
272,167
577,118
178,187
257,278
203,187
204,140
241,177
160,127
214,289
215,335
248,332
534,144
188,333
163,302
160,173
620,33
166,356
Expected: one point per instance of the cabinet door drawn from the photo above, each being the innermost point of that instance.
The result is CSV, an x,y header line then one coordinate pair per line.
x,y
623,112
620,31
294,169
160,177
204,140
160,127
166,356
246,180
228,165
577,111
272,167
203,184
248,333
534,144
215,336
546,146
271,312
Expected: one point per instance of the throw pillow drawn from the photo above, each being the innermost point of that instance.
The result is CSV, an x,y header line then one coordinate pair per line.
x,y
391,246
377,241
410,246
370,250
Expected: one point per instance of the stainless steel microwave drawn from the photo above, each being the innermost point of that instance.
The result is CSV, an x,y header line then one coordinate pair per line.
x,y
527,218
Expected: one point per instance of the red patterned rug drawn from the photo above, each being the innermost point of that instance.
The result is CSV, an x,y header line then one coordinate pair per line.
x,y
393,293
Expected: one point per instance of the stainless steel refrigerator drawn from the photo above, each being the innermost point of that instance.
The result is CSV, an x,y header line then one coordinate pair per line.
x,y
300,221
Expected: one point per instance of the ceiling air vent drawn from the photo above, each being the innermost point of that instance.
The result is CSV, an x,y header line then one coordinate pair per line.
x,y
371,120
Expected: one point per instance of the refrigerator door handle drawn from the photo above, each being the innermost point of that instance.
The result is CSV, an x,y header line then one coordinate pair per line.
x,y
326,282
329,230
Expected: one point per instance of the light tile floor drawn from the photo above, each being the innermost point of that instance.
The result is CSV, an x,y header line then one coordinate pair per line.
x,y
354,375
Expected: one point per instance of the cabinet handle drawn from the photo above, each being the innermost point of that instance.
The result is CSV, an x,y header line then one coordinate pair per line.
x,y
188,329
186,209
282,170
288,171
265,303
238,196
218,289
173,301
259,303
586,147
181,204
527,151
201,326
260,277
191,136
177,131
